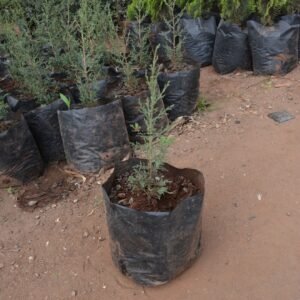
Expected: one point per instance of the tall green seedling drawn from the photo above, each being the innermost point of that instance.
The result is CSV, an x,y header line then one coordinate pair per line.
x,y
148,177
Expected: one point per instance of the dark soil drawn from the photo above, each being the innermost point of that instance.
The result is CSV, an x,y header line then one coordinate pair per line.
x,y
5,125
171,68
179,188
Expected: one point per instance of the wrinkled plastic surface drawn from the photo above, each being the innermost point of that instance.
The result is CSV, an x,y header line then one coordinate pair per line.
x,y
133,114
182,92
160,35
43,124
199,38
294,20
20,160
154,247
274,49
22,106
94,137
231,49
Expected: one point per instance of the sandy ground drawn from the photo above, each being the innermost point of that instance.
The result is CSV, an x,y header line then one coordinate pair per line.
x,y
251,236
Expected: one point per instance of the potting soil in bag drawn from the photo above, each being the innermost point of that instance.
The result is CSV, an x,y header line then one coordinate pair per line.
x,y
231,49
43,123
20,159
274,49
154,247
182,92
294,20
94,137
199,38
133,115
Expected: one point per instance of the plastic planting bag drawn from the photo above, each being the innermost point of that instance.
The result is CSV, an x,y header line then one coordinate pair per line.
x,y
20,160
160,35
22,106
94,137
182,92
133,114
294,20
274,49
43,123
231,50
199,38
154,247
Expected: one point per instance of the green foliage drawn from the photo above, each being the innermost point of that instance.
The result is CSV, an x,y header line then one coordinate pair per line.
x,y
3,108
293,6
66,100
236,11
197,8
26,66
148,177
139,41
88,38
202,104
270,9
153,8
174,35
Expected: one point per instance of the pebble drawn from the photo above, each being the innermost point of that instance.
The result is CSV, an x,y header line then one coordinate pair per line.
x,y
288,214
31,258
85,234
121,195
32,203
74,293
1,266
53,205
75,200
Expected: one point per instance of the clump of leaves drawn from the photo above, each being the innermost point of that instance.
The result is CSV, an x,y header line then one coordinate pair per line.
x,y
148,178
237,11
202,104
269,10
138,38
198,8
92,32
174,35
25,65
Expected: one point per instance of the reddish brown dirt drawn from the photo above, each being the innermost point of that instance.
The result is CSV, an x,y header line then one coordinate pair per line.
x,y
251,236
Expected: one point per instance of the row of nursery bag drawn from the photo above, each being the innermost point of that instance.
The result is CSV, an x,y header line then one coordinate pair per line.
x,y
89,138
266,50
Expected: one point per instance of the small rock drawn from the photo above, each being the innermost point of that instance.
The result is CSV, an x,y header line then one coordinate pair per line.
x,y
118,187
31,258
1,266
75,200
74,293
121,195
57,220
104,286
37,217
47,243
32,203
288,214
37,275
53,205
86,234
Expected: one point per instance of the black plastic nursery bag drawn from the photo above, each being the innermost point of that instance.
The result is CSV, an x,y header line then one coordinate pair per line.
x,y
182,92
154,247
20,160
274,49
231,49
133,114
294,20
43,123
198,40
94,137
